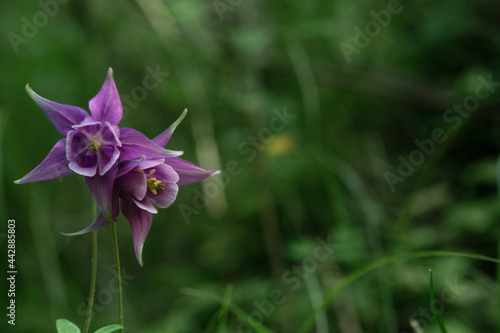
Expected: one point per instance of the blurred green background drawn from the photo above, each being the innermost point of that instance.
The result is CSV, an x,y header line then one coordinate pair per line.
x,y
361,82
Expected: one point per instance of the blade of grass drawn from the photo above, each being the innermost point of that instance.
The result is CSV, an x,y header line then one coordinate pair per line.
x,y
427,172
309,322
374,214
301,64
217,323
93,277
237,311
433,305
315,296
225,309
498,266
2,176
498,284
51,272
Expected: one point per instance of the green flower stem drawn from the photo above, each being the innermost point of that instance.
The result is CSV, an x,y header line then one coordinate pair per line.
x,y
94,271
118,275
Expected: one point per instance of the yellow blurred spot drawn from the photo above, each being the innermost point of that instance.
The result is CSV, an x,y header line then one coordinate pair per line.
x,y
281,145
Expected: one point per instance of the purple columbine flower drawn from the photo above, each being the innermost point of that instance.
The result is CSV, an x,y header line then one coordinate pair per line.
x,y
140,184
92,144
118,164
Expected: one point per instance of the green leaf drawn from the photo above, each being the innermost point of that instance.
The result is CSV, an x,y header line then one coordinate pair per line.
x,y
109,328
65,326
433,306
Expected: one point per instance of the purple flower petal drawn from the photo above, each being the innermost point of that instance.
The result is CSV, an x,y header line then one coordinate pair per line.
x,y
93,144
149,163
106,105
165,197
89,128
101,187
165,173
98,223
62,116
84,164
139,163
110,134
77,144
55,165
187,171
107,157
145,204
115,204
133,182
135,145
162,139
140,222
127,166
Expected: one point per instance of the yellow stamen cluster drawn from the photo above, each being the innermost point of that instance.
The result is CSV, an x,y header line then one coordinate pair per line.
x,y
94,145
153,183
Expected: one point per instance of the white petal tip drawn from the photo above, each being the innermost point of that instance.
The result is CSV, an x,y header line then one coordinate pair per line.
x,y
29,90
70,233
178,121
